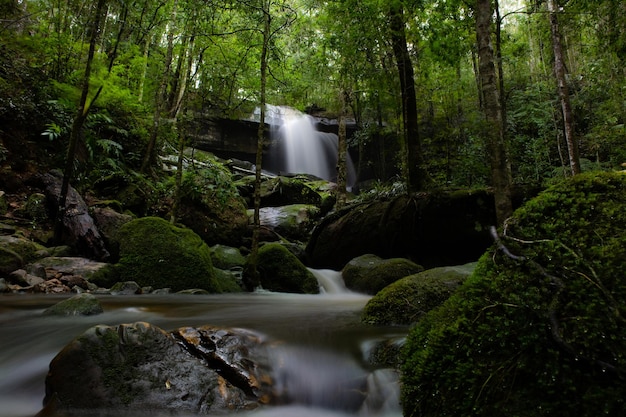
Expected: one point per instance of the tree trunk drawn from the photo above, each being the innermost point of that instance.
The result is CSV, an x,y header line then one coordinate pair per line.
x,y
252,274
160,99
500,168
79,120
559,73
416,173
342,149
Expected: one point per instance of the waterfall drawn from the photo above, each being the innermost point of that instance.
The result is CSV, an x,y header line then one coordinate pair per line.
x,y
331,282
299,148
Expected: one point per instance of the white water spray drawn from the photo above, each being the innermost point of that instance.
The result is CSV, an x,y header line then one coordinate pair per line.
x,y
299,148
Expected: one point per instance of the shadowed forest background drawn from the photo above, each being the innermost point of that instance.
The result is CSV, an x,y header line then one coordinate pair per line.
x,y
157,65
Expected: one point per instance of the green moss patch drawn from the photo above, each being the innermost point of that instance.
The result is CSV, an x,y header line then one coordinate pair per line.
x,y
539,328
369,274
406,300
155,253
282,271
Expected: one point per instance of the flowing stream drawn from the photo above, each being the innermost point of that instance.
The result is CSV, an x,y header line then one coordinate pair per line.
x,y
322,335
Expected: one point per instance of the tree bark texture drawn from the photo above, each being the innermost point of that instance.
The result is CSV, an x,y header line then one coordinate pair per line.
x,y
342,150
77,124
563,90
414,159
252,274
496,147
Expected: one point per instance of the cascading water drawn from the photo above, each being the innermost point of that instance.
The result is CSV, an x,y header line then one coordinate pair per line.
x,y
323,355
299,148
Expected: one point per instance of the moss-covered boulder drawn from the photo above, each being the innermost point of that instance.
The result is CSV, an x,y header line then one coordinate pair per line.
x,y
25,248
293,222
79,305
9,261
282,271
227,257
155,253
432,229
406,300
369,273
539,327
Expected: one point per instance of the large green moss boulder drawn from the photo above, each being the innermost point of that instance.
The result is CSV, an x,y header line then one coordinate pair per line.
x,y
369,273
281,271
406,300
539,328
155,253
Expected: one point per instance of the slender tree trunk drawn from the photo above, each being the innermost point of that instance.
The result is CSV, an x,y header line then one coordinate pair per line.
x,y
252,273
144,72
182,131
500,168
79,120
416,173
559,73
161,97
342,149
499,63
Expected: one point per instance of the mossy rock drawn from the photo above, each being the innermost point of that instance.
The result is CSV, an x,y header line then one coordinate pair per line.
x,y
406,300
282,271
9,261
79,305
25,248
537,329
228,280
226,257
155,253
369,273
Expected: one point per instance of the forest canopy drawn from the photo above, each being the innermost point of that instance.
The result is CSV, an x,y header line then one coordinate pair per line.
x,y
159,63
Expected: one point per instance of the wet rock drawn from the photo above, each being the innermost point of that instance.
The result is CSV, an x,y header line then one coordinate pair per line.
x,y
282,271
100,273
139,366
226,257
78,305
430,229
79,227
126,288
9,260
405,301
109,222
24,279
295,221
24,248
369,273
52,286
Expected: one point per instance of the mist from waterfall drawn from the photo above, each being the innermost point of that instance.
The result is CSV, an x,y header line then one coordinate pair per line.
x,y
297,147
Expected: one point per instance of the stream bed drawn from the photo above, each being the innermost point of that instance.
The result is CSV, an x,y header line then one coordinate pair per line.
x,y
326,339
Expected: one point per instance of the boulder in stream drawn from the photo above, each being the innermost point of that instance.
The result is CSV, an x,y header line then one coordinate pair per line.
x,y
79,305
281,271
436,229
139,366
369,273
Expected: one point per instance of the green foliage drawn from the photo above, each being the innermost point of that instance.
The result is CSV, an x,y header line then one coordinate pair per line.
x,y
539,330
211,182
